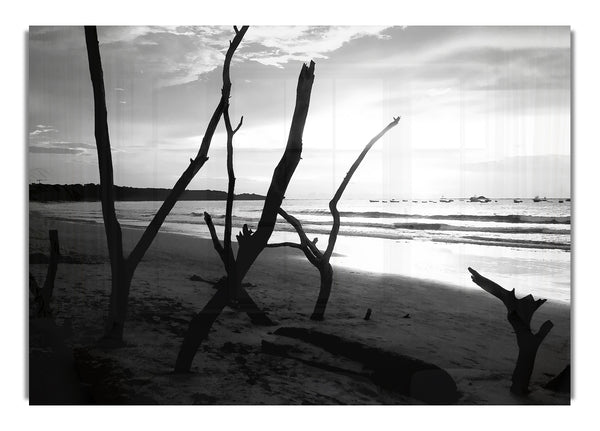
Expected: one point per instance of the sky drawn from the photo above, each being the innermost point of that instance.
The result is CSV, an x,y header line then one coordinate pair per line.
x,y
484,110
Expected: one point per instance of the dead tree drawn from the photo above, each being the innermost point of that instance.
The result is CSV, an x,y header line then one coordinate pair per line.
x,y
123,268
43,295
321,259
251,244
519,315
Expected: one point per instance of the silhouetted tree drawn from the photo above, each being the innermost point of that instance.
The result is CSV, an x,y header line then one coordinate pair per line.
x,y
321,259
251,244
519,315
43,295
123,268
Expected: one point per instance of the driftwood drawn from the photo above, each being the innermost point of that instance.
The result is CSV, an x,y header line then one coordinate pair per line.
x,y
562,382
250,243
318,259
123,268
404,374
520,312
43,295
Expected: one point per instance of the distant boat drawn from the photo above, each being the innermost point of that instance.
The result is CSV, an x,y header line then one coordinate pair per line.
x,y
568,199
424,202
517,201
538,199
445,201
560,202
404,200
481,199
394,201
415,202
371,200
385,202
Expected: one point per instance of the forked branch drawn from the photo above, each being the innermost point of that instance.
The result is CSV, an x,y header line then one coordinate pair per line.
x,y
338,194
253,245
195,165
520,312
313,254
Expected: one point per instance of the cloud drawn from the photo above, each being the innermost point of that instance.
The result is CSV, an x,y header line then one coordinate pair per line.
x,y
276,45
53,150
42,130
48,147
177,55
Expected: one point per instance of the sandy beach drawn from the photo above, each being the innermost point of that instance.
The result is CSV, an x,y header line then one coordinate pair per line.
x,y
465,332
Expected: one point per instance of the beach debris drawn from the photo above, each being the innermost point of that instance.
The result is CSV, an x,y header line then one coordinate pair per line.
x,y
407,375
406,316
316,257
250,243
562,382
368,314
520,312
123,267
43,295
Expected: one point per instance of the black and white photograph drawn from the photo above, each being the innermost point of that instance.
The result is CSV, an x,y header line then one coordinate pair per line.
x,y
299,214
259,213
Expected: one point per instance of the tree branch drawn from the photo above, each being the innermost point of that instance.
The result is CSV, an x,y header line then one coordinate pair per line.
x,y
284,244
338,194
300,231
214,237
282,174
195,165
524,307
229,266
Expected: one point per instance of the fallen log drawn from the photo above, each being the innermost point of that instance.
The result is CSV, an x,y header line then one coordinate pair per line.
x,y
409,376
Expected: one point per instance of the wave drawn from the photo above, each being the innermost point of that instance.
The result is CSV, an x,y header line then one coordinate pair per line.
x,y
419,226
510,218
393,234
201,214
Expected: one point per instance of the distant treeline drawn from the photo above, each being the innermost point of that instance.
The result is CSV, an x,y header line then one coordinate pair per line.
x,y
91,192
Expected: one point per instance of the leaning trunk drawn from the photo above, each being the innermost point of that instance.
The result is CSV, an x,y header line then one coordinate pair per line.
x,y
246,304
199,327
326,272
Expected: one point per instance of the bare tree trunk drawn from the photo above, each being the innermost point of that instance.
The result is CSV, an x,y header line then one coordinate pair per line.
x,y
250,243
520,312
123,268
242,300
528,346
326,273
43,296
119,298
199,327
321,259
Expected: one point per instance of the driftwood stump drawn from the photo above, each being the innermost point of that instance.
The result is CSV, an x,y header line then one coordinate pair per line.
x,y
43,295
520,312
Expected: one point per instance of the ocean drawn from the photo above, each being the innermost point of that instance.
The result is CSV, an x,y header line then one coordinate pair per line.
x,y
525,245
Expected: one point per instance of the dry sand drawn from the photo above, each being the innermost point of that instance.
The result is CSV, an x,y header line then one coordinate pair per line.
x,y
464,332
